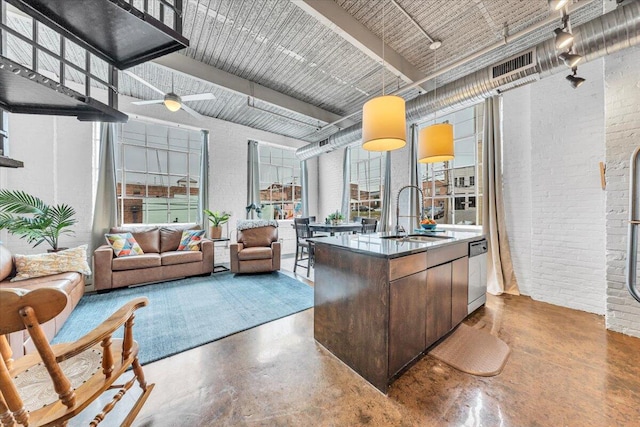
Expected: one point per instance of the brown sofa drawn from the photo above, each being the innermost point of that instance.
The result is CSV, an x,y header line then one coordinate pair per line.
x,y
258,249
71,283
161,259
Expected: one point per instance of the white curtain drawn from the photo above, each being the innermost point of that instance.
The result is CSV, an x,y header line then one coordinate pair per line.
x,y
500,275
253,181
386,196
203,191
105,210
346,183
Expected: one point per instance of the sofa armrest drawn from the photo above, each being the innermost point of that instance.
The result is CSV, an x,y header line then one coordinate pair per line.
x,y
276,248
234,248
206,246
102,268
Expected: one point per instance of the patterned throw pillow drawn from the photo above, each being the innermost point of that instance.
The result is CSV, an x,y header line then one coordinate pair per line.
x,y
30,266
190,240
123,244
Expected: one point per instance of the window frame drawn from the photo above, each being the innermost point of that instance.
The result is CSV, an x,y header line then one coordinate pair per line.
x,y
372,205
456,186
283,209
173,206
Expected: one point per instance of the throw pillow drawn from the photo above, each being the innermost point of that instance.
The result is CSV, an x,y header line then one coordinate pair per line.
x,y
30,266
123,244
190,240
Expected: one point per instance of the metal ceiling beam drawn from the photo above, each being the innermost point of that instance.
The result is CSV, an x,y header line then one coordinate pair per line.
x,y
208,74
334,17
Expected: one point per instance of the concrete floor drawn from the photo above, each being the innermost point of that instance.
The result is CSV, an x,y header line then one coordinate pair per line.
x,y
565,369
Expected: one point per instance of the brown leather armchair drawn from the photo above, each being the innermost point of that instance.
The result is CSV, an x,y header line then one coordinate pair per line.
x,y
258,249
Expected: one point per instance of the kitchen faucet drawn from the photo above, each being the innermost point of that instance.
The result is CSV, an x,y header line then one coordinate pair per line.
x,y
398,227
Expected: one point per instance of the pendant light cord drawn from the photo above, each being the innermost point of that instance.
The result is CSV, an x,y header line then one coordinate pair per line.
x,y
383,2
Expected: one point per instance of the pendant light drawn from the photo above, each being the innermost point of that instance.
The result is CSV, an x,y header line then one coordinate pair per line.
x,y
383,118
435,142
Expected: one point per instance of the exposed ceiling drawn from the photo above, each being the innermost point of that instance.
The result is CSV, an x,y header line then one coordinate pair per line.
x,y
293,66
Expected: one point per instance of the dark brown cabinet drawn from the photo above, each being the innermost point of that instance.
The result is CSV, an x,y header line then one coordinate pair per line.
x,y
406,307
438,320
379,314
459,290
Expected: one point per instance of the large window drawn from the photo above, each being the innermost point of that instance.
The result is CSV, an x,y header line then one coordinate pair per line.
x,y
453,190
157,173
367,176
280,185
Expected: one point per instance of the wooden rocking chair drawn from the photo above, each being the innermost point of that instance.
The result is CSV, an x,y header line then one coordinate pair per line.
x,y
55,384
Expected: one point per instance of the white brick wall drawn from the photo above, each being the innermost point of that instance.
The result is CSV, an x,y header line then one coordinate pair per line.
x,y
517,181
622,104
567,239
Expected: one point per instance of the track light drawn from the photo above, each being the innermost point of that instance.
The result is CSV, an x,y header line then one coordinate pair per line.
x,y
574,80
570,59
563,38
557,4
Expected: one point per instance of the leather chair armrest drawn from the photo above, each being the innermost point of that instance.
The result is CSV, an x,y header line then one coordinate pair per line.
x,y
206,246
276,248
234,248
102,268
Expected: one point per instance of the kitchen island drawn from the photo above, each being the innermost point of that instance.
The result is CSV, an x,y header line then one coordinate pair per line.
x,y
382,301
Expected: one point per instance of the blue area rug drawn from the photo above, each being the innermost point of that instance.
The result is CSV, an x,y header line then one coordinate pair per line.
x,y
188,313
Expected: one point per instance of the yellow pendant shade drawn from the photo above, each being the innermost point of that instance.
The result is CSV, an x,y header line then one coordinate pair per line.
x,y
435,143
384,124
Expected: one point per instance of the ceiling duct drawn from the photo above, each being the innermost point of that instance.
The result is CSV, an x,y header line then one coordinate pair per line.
x,y
602,36
515,64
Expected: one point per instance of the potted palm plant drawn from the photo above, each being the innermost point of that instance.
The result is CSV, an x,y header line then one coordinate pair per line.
x,y
217,219
30,218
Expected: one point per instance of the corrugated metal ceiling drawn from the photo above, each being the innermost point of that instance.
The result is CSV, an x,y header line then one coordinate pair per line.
x,y
274,43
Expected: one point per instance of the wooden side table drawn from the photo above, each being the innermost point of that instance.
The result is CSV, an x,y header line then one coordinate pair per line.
x,y
218,268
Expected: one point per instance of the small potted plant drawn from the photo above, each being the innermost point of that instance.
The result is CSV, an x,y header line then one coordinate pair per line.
x,y
30,218
336,217
217,219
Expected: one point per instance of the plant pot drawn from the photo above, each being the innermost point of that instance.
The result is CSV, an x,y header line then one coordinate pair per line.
x,y
216,232
56,250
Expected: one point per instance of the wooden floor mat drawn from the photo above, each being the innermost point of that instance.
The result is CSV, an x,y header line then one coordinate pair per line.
x,y
473,351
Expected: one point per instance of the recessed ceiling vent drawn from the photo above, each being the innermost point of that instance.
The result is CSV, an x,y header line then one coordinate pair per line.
x,y
514,65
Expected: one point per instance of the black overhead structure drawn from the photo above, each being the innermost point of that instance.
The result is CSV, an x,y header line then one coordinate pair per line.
x,y
113,30
25,91
96,37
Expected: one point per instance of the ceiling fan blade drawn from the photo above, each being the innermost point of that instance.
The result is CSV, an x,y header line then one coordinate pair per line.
x,y
193,112
143,81
198,97
152,101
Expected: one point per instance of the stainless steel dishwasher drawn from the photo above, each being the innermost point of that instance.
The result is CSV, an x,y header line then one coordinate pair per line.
x,y
477,295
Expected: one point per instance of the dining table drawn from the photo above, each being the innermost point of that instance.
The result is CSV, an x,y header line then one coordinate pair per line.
x,y
332,229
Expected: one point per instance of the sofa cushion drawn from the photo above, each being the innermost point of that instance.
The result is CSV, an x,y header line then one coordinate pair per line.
x,y
248,254
180,257
135,262
262,236
123,244
190,240
170,236
6,263
147,237
30,266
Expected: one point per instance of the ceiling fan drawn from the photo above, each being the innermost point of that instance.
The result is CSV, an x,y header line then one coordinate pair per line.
x,y
171,100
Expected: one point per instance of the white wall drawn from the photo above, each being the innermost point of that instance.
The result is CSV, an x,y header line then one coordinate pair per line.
x,y
552,188
57,153
622,105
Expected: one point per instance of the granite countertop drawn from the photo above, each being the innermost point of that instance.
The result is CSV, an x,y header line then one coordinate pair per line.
x,y
380,245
